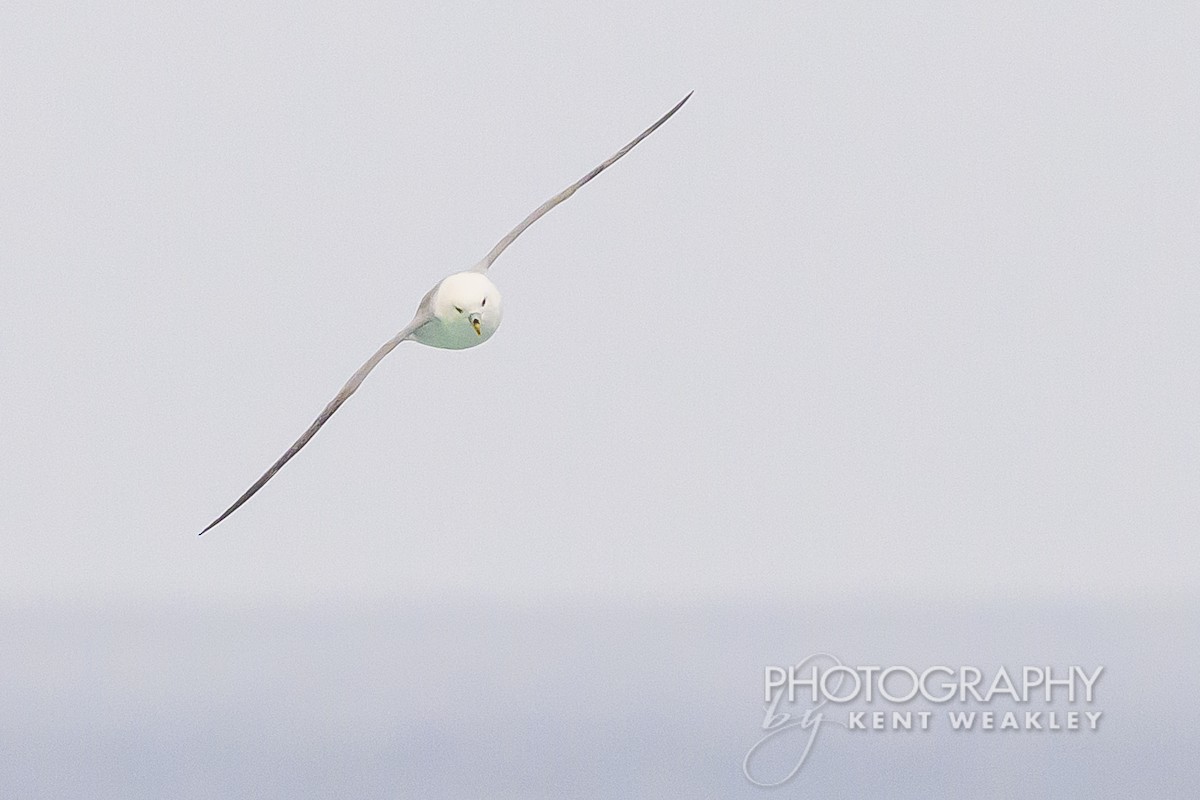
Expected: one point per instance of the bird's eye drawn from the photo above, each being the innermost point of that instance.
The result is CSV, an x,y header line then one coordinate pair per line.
x,y
484,303
459,310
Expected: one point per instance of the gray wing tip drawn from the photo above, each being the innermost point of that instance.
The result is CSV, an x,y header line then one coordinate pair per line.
x,y
221,518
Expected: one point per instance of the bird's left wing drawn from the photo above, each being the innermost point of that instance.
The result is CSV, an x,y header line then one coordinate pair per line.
x,y
541,210
423,316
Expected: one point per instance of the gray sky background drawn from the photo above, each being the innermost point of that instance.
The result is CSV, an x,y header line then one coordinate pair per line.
x,y
903,300
900,308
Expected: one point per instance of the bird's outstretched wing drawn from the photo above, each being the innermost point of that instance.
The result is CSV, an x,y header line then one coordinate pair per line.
x,y
355,381
540,211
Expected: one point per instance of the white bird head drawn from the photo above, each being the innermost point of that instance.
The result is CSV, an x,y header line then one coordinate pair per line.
x,y
467,309
462,311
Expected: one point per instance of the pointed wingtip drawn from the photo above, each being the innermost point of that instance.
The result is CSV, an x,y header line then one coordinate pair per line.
x,y
215,522
676,107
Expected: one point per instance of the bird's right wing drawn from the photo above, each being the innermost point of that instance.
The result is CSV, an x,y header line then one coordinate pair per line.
x,y
541,210
423,316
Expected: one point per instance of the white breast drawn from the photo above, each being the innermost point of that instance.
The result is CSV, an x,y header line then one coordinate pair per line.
x,y
458,300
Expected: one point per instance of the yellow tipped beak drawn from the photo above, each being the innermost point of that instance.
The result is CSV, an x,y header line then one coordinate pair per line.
x,y
475,325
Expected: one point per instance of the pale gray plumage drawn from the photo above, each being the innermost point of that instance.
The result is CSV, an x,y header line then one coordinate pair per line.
x,y
448,314
541,210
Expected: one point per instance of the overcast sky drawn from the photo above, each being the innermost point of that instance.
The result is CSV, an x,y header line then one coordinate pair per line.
x,y
902,305
902,299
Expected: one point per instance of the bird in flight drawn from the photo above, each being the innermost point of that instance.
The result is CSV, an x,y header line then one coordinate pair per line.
x,y
463,310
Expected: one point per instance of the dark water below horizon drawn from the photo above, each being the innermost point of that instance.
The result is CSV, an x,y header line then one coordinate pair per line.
x,y
467,699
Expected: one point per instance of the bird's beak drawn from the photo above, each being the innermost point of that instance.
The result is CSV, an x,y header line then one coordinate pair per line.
x,y
475,325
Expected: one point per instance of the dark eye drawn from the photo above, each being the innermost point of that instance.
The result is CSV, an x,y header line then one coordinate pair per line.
x,y
459,310
484,303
